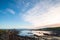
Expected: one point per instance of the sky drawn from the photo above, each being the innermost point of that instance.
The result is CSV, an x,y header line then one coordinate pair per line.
x,y
29,14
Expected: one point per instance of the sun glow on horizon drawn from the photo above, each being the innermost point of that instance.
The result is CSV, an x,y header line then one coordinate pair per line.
x,y
52,16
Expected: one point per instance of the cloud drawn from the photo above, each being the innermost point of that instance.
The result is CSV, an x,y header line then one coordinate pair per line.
x,y
25,6
8,10
44,13
11,11
28,4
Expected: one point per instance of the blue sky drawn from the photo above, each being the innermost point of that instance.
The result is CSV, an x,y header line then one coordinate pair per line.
x,y
12,10
28,13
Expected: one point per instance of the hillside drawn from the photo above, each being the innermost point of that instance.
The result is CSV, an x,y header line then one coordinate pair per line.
x,y
52,29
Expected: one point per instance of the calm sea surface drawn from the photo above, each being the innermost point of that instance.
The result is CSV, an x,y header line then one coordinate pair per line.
x,y
32,32
26,33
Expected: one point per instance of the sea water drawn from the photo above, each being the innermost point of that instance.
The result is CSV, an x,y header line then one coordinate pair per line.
x,y
26,33
32,33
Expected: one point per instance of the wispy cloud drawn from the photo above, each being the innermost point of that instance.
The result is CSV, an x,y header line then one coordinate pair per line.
x,y
44,13
8,10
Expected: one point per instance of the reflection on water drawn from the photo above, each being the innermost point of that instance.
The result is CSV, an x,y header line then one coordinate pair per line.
x,y
32,33
26,33
39,35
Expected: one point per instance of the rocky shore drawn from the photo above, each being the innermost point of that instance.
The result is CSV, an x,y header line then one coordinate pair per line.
x,y
13,35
